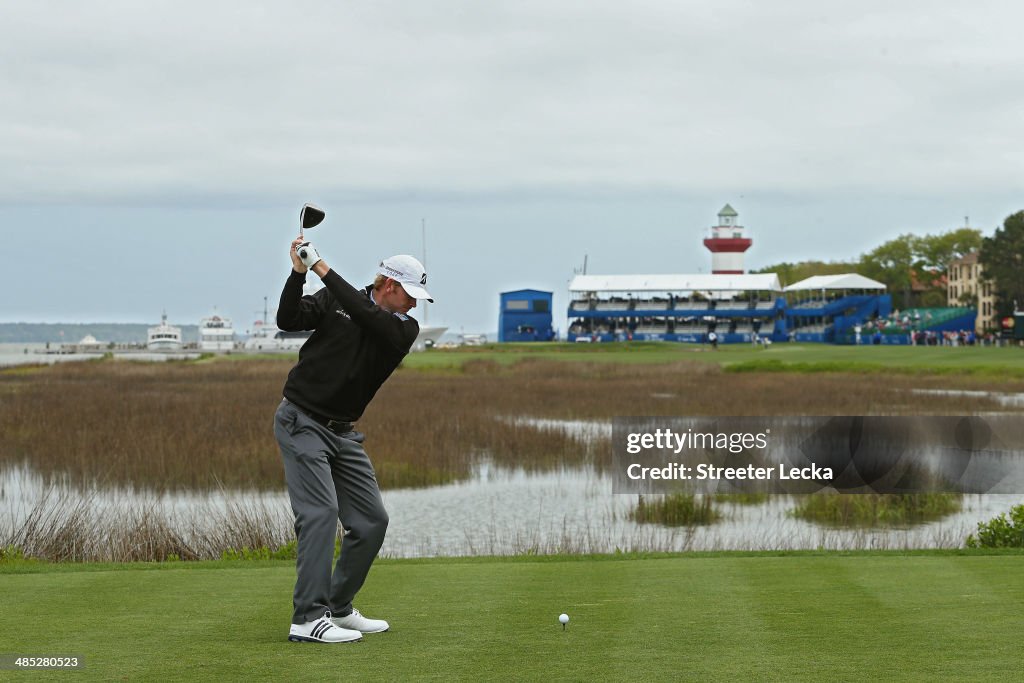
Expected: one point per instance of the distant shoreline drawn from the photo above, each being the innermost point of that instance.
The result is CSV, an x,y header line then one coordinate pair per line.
x,y
68,333
32,353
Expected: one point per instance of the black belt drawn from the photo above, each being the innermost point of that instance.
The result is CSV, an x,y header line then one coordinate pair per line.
x,y
336,426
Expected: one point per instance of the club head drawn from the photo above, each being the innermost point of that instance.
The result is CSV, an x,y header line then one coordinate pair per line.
x,y
310,216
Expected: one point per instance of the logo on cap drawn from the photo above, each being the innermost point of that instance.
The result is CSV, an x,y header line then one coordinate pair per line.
x,y
409,272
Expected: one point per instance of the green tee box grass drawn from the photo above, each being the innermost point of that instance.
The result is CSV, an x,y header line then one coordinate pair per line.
x,y
804,616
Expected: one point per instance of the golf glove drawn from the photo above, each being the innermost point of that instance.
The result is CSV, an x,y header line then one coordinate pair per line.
x,y
308,254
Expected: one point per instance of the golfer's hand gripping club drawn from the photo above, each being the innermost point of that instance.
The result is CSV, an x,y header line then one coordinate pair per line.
x,y
308,254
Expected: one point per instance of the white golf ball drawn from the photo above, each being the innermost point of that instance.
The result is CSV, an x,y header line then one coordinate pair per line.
x,y
563,618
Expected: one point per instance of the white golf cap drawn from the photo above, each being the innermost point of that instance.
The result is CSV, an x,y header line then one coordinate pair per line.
x,y
409,273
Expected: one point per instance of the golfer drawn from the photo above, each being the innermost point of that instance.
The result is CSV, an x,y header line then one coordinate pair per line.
x,y
359,337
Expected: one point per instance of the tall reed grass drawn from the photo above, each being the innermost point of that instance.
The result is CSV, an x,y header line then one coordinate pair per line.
x,y
674,509
65,530
168,426
59,528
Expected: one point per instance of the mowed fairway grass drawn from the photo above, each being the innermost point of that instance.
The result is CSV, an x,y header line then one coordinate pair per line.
x,y
993,362
798,616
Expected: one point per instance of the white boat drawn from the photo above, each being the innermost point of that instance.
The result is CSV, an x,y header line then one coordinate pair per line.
x,y
216,334
88,344
261,338
292,341
163,337
267,337
472,339
428,337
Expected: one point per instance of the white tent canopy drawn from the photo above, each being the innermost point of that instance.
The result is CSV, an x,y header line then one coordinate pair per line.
x,y
700,282
842,281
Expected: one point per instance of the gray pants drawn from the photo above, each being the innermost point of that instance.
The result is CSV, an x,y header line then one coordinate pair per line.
x,y
329,478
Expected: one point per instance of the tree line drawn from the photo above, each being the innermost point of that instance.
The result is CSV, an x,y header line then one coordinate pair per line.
x,y
914,268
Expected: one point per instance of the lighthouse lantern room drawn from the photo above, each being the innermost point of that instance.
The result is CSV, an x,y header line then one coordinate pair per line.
x,y
727,244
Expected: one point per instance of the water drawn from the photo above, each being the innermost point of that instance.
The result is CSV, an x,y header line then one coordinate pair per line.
x,y
500,511
504,511
1007,400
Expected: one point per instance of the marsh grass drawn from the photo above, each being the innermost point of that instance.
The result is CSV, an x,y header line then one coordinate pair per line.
x,y
872,510
59,528
675,509
745,498
204,425
994,371
69,531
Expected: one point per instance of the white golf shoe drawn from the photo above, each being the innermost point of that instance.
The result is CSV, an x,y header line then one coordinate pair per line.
x,y
322,631
358,622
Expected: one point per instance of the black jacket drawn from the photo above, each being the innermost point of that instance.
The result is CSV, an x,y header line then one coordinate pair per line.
x,y
355,346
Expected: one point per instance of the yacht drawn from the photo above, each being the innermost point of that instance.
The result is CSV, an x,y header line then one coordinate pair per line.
x,y
261,338
216,334
428,337
267,337
164,337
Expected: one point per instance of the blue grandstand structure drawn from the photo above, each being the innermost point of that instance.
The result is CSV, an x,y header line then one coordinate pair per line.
x,y
736,307
683,308
829,308
525,315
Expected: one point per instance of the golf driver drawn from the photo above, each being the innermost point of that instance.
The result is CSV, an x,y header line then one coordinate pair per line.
x,y
309,217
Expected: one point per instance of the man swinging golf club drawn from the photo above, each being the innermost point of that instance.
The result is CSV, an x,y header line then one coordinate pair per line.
x,y
359,337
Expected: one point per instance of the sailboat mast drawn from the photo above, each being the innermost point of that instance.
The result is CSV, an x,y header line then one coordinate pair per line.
x,y
423,227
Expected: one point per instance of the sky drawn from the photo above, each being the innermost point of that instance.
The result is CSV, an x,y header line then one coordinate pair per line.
x,y
154,156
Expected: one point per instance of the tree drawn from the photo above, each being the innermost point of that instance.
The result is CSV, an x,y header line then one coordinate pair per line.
x,y
790,273
935,298
1002,261
935,252
899,262
892,264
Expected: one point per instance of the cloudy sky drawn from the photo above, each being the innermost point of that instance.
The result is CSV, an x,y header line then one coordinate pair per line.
x,y
154,155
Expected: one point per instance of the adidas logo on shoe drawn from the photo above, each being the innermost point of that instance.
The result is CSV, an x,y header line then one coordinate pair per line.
x,y
322,631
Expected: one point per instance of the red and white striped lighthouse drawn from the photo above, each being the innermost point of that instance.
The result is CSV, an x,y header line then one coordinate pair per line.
x,y
727,244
